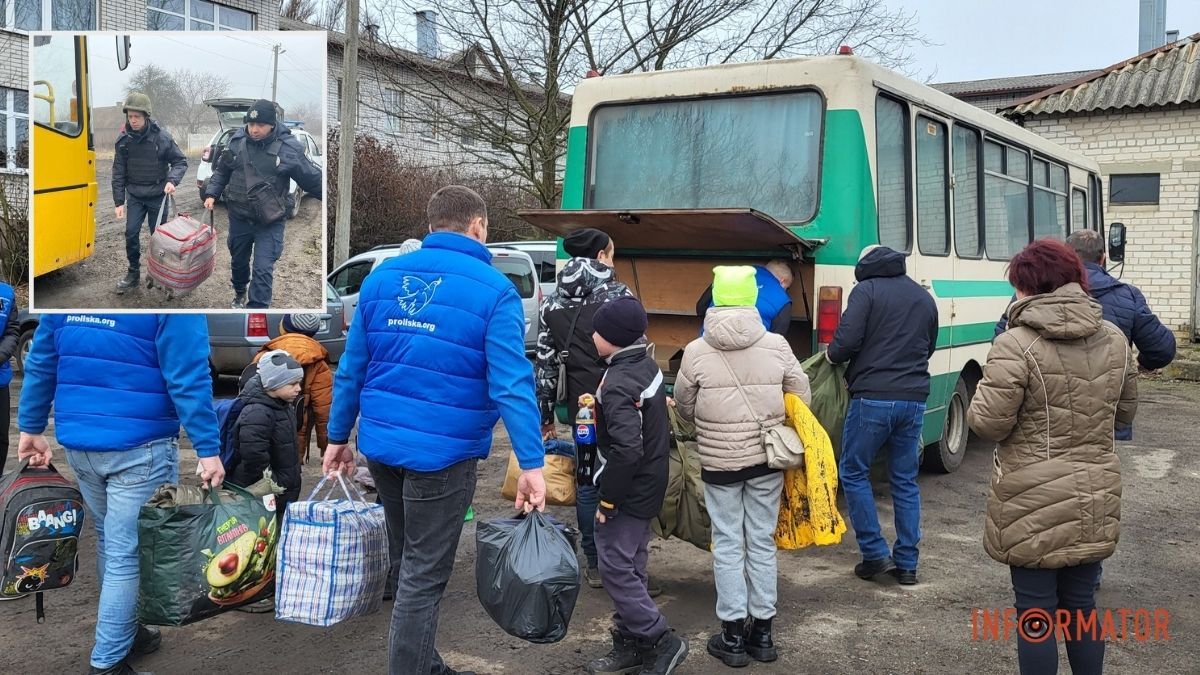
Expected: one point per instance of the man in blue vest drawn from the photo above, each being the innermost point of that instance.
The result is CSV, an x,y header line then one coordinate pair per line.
x,y
435,357
120,384
774,305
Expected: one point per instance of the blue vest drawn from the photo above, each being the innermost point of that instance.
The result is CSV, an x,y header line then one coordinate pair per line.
x,y
111,393
8,305
771,296
425,403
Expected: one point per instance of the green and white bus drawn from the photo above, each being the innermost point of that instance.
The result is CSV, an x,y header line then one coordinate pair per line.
x,y
813,159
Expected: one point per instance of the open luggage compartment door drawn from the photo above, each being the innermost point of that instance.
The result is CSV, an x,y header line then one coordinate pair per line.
x,y
676,232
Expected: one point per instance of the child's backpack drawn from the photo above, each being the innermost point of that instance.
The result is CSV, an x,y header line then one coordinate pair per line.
x,y
42,518
227,410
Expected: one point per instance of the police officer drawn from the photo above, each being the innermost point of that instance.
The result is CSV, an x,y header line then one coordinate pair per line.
x,y
147,167
253,173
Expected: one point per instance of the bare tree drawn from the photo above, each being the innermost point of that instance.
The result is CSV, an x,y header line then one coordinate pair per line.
x,y
332,14
195,87
501,92
312,115
166,99
299,10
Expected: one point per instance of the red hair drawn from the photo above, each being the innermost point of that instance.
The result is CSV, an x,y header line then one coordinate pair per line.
x,y
1045,266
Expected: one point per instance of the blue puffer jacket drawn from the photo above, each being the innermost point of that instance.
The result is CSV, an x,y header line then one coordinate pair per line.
x,y
11,336
435,356
1126,307
119,381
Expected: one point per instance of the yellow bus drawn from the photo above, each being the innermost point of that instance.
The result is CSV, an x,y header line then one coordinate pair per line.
x,y
64,158
811,159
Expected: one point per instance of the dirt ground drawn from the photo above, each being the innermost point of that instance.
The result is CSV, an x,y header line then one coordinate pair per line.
x,y
829,621
91,284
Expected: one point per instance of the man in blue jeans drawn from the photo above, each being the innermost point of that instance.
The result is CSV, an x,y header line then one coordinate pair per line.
x,y
119,385
888,333
435,357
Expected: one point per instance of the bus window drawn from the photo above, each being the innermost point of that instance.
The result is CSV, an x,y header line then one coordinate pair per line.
x,y
966,192
55,101
891,150
933,220
709,153
1006,200
1078,210
1049,200
1096,213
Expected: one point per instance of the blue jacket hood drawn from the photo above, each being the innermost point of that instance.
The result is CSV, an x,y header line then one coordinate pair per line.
x,y
880,262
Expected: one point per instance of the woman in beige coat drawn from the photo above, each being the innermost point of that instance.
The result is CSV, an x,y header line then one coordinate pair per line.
x,y
1055,383
741,492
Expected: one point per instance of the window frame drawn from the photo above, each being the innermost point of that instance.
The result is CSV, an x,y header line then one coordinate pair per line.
x,y
214,26
589,191
909,163
78,59
947,174
393,111
8,20
431,107
980,240
1077,191
1009,146
8,108
1051,165
368,263
1112,191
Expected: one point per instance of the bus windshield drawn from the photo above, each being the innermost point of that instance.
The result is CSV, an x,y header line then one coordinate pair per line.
x,y
757,151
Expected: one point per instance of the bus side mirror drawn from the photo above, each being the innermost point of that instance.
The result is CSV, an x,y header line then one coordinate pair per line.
x,y
1116,242
122,52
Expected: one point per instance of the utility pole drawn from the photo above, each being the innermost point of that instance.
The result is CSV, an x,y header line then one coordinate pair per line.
x,y
276,51
348,114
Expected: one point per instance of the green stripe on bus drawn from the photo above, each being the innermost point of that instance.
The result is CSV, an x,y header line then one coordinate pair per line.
x,y
572,195
964,288
965,334
847,213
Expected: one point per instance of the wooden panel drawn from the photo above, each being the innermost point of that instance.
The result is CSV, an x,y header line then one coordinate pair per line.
x,y
674,285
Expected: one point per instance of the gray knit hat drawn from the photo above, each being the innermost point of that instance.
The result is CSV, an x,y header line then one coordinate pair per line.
x,y
409,246
306,324
278,369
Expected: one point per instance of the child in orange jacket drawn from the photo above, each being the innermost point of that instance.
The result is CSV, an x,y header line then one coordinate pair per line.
x,y
296,333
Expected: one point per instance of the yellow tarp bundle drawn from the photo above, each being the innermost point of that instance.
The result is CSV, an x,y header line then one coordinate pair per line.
x,y
808,507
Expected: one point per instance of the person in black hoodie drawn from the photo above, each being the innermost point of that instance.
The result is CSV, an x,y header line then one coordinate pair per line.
x,y
633,438
262,153
147,167
266,427
888,333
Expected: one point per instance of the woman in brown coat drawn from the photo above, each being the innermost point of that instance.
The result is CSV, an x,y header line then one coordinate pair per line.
x,y
1055,383
731,383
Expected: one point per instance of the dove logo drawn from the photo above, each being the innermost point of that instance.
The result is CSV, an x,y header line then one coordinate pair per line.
x,y
415,295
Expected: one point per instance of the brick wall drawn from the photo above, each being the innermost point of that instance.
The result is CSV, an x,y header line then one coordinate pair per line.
x,y
1161,253
14,74
131,14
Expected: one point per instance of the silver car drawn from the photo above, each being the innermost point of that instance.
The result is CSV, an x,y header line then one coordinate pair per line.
x,y
515,265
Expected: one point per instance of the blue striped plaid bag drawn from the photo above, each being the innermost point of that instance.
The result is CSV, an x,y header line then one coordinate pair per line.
x,y
333,558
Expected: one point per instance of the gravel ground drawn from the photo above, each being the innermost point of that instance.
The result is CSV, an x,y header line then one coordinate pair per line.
x,y
829,621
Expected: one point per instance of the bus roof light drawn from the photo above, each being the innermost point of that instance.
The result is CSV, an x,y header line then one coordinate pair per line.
x,y
845,50
593,73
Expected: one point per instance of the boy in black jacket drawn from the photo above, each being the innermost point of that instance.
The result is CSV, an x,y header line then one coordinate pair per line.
x,y
633,438
266,427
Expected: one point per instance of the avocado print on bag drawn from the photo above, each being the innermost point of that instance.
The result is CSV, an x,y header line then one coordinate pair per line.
x,y
206,553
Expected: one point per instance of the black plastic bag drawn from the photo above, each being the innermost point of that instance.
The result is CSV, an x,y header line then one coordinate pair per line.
x,y
527,575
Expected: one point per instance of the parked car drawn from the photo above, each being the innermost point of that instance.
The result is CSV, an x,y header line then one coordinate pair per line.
x,y
234,339
545,258
516,265
230,113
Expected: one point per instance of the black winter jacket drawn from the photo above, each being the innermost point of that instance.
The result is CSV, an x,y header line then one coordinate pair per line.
x,y
888,332
633,436
292,164
266,438
155,141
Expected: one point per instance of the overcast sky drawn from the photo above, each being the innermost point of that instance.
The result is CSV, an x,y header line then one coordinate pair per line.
x,y
977,39
242,58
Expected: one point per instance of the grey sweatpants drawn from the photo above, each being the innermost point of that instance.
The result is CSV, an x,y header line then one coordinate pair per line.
x,y
621,545
743,519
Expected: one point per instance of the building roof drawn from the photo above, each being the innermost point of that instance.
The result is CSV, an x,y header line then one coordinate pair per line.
x,y
1163,76
1003,85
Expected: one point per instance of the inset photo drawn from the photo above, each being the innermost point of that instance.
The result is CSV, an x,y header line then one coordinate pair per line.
x,y
178,171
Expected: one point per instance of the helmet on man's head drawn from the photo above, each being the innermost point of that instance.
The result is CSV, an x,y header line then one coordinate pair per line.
x,y
137,102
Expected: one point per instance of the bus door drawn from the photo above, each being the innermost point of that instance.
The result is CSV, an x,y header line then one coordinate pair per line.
x,y
64,162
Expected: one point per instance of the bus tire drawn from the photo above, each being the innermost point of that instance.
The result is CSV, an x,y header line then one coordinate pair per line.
x,y
946,455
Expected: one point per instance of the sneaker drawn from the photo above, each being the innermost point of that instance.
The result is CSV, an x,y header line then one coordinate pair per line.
x,y
905,577
592,576
869,569
260,607
129,281
653,588
759,643
729,646
147,640
664,655
120,668
623,659
239,300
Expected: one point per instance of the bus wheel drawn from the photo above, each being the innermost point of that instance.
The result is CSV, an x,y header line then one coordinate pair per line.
x,y
946,455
